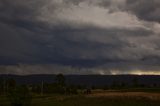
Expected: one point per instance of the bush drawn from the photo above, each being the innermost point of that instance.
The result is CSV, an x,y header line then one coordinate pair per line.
x,y
19,96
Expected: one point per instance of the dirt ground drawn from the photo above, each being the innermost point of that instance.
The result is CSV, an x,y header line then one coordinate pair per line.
x,y
152,96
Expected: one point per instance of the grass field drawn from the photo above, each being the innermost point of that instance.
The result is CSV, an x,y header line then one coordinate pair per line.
x,y
106,98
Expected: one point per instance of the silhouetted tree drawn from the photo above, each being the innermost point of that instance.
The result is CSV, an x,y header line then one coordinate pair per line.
x,y
60,84
114,84
60,79
135,82
19,96
1,86
11,83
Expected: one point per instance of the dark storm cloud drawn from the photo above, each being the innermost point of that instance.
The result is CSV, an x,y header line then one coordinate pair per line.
x,y
85,34
20,13
145,9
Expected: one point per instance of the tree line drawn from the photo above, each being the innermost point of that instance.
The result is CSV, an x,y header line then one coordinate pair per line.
x,y
21,95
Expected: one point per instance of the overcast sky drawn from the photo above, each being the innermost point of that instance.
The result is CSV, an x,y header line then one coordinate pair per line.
x,y
80,36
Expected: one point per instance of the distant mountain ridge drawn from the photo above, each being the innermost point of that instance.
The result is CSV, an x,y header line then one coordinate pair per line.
x,y
91,80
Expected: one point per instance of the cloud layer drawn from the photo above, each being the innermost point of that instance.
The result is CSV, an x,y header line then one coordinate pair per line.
x,y
94,35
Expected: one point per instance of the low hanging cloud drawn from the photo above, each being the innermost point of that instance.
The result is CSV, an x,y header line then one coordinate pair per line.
x,y
97,36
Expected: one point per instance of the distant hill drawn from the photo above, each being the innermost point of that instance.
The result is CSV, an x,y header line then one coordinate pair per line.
x,y
89,80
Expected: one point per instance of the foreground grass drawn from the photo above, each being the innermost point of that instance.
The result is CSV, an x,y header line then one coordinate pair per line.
x,y
96,99
102,98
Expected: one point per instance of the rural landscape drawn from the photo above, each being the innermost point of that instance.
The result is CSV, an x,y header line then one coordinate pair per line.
x,y
61,90
79,52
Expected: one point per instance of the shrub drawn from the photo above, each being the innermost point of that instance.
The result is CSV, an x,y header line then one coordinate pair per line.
x,y
19,96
